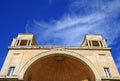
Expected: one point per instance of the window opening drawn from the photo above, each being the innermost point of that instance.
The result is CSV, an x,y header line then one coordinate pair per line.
x,y
95,43
23,42
107,72
11,71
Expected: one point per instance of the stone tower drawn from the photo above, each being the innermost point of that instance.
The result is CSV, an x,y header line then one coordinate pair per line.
x,y
27,61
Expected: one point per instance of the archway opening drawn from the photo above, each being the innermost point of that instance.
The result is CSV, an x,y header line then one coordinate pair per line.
x,y
59,67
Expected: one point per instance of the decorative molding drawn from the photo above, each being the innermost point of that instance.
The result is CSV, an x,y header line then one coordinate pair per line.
x,y
57,48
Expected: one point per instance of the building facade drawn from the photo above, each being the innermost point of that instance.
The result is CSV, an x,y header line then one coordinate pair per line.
x,y
27,61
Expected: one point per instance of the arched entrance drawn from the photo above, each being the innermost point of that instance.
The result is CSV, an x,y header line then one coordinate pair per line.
x,y
51,53
59,67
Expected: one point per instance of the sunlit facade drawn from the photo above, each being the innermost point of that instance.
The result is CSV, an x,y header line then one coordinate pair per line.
x,y
28,61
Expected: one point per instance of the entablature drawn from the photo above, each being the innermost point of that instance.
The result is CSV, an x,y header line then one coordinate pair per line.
x,y
52,47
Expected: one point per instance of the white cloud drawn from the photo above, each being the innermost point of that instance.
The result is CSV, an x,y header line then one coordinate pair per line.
x,y
84,17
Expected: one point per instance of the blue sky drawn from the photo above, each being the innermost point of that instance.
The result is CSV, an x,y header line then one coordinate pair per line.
x,y
60,22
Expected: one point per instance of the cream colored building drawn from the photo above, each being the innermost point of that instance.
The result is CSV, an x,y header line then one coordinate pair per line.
x,y
27,61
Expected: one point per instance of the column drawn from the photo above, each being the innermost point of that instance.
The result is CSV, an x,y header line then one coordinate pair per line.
x,y
88,43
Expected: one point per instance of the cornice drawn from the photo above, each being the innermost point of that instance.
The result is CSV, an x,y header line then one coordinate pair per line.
x,y
54,47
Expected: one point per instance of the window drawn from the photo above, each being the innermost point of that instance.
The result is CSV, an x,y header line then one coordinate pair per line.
x,y
95,43
23,42
107,72
10,71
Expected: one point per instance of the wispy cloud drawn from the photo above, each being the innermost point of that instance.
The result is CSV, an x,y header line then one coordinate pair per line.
x,y
84,17
95,17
